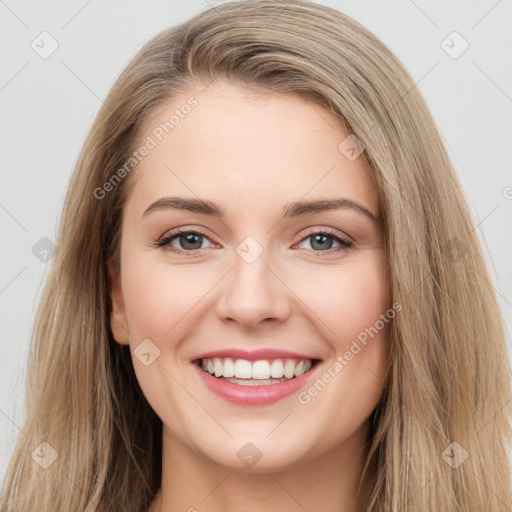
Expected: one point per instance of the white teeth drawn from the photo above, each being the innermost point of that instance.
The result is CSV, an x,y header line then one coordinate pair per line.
x,y
229,367
217,366
289,368
269,371
302,367
254,382
243,369
260,370
277,369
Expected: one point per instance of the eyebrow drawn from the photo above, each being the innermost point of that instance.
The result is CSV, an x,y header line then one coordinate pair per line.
x,y
292,210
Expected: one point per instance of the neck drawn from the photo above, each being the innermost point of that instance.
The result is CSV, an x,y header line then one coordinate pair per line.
x,y
192,483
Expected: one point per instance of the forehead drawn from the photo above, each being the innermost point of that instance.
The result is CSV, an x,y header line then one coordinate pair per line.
x,y
226,143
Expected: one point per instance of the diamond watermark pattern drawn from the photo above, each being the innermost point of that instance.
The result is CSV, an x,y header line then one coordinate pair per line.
x,y
44,45
454,45
43,250
351,147
45,455
249,249
455,249
454,455
249,455
146,352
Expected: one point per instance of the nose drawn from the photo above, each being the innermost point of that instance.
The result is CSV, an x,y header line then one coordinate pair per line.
x,y
253,294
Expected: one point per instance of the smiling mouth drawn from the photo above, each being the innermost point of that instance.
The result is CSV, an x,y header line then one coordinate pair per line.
x,y
263,372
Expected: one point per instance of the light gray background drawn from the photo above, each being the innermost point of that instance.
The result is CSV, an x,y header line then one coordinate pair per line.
x,y
48,105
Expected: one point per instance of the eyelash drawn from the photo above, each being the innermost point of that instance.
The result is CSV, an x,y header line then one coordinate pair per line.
x,y
167,239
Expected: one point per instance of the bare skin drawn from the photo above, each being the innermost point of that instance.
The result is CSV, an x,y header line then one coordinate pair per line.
x,y
253,156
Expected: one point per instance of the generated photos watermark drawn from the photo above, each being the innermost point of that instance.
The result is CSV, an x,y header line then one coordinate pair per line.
x,y
151,142
343,360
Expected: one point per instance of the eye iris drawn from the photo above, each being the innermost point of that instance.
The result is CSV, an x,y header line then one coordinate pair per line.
x,y
324,238
189,238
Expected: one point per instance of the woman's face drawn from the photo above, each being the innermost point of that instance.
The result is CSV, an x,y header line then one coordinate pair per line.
x,y
255,275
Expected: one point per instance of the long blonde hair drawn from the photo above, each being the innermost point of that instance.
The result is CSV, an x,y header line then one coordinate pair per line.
x,y
448,380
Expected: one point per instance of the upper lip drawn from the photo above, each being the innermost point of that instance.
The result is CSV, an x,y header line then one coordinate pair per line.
x,y
253,355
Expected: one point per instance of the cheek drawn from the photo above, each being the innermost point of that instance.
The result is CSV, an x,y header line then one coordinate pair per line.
x,y
354,305
352,382
159,302
157,296
348,298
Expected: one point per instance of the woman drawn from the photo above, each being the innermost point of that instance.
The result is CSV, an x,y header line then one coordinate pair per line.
x,y
289,147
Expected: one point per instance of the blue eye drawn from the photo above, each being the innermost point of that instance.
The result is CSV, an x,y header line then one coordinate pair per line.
x,y
322,241
188,241
191,241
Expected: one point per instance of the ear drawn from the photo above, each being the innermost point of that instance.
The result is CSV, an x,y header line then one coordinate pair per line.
x,y
118,322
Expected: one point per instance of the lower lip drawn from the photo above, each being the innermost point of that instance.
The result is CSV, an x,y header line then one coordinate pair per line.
x,y
252,395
